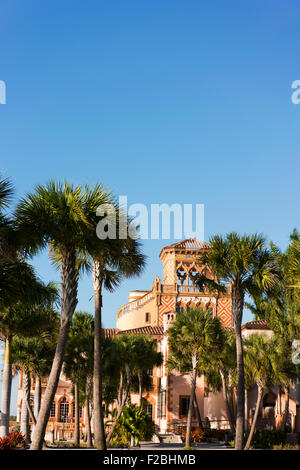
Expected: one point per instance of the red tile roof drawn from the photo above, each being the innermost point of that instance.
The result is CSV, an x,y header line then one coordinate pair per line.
x,y
189,244
256,325
145,330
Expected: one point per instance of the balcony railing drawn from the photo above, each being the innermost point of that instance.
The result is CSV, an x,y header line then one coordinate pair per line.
x,y
190,289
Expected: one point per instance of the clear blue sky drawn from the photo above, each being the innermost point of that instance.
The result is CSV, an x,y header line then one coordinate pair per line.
x,y
163,101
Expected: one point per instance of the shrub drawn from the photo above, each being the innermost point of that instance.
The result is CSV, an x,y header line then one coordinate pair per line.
x,y
118,443
266,439
217,434
134,421
16,428
13,441
197,435
286,447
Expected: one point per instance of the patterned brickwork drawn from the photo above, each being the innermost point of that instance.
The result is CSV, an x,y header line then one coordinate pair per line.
x,y
167,305
224,311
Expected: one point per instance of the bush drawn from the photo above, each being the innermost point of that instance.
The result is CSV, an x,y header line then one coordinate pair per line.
x,y
217,434
266,439
197,435
118,443
13,441
16,428
286,447
134,421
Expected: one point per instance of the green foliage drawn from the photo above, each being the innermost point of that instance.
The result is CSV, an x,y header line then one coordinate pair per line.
x,y
134,421
266,439
118,443
286,447
193,333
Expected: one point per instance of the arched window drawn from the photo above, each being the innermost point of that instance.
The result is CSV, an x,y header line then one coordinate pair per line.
x,y
64,410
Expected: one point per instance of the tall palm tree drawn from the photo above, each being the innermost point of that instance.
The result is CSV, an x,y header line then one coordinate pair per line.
x,y
112,260
221,373
258,370
194,334
55,215
146,357
23,318
247,266
124,345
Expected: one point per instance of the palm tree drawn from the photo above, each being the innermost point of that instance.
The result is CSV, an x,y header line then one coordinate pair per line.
x,y
247,266
29,356
114,260
55,215
194,334
146,357
221,373
258,370
125,361
24,318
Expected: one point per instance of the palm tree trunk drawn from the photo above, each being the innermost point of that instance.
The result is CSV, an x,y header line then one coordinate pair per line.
x,y
6,390
237,312
198,412
37,396
77,425
253,424
69,276
286,408
191,403
25,400
123,399
227,404
87,412
99,432
140,379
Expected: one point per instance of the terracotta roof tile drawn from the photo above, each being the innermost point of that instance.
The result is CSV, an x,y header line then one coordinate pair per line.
x,y
256,324
145,330
189,244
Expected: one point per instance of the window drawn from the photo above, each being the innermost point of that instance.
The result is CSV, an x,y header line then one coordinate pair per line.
x,y
63,411
147,319
148,408
150,372
161,404
53,410
184,403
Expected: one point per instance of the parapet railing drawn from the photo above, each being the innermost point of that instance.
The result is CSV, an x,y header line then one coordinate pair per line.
x,y
135,304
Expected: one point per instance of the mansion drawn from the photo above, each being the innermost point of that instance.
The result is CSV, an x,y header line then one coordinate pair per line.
x,y
151,313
